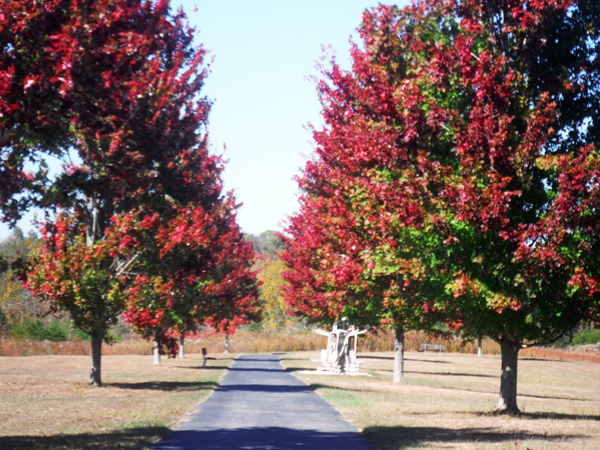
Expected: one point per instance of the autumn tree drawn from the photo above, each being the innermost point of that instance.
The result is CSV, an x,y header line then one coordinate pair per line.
x,y
68,274
273,304
458,159
331,243
16,303
525,228
365,200
196,270
111,89
269,267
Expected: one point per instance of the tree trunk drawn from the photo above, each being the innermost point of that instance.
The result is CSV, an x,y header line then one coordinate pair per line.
x,y
96,373
399,354
226,343
181,339
156,350
508,380
479,351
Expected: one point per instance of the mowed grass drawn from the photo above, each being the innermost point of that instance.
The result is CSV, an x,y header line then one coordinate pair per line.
x,y
45,402
447,402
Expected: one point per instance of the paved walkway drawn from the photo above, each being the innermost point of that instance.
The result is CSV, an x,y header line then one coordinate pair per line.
x,y
261,406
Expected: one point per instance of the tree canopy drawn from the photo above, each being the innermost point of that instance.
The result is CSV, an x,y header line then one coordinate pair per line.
x,y
112,90
456,175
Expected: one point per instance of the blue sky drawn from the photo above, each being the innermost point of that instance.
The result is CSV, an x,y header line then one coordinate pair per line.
x,y
263,51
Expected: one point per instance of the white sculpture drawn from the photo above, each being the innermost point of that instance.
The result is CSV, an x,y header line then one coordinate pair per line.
x,y
340,356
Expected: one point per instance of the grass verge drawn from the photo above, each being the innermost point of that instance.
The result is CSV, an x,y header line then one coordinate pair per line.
x,y
46,404
447,402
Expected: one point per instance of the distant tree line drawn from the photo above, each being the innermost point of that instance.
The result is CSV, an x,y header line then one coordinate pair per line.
x,y
266,243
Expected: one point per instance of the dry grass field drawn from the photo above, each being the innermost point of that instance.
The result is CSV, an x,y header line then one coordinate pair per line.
x,y
264,342
240,342
45,402
448,400
446,403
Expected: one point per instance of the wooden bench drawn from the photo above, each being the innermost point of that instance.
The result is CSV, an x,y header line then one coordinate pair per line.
x,y
435,347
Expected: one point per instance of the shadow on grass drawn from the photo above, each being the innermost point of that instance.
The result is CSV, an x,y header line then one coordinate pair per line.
x,y
559,416
391,358
445,374
299,368
539,397
532,358
454,374
203,368
399,437
131,439
550,397
170,386
315,386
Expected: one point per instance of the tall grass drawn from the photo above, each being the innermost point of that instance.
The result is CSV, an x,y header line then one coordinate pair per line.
x,y
27,347
241,342
582,354
253,342
384,342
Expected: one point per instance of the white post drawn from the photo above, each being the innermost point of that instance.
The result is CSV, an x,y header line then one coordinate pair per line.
x,y
181,339
226,343
156,352
479,351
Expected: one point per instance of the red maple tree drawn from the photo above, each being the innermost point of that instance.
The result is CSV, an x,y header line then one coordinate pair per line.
x,y
193,269
112,90
457,172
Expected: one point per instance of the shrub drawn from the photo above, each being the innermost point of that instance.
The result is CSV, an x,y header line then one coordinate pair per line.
x,y
38,331
586,336
76,333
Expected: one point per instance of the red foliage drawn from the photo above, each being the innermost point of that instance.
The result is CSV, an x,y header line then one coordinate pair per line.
x,y
118,83
194,269
116,80
457,166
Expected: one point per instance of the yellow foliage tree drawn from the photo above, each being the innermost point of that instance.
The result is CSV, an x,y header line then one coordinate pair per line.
x,y
273,304
15,303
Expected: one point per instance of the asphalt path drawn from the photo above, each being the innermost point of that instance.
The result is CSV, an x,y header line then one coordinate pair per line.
x,y
261,406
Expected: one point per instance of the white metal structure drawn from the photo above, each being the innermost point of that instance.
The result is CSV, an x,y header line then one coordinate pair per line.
x,y
340,356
